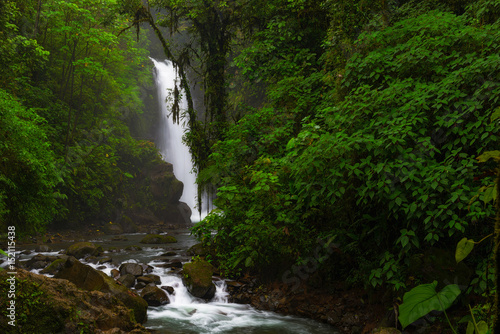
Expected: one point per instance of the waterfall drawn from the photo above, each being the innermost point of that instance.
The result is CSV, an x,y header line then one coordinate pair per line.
x,y
170,144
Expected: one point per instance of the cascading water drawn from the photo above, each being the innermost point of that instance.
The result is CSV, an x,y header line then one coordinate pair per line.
x,y
186,314
170,144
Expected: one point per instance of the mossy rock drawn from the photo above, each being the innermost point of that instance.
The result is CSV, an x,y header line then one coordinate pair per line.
x,y
87,278
197,277
46,305
81,249
54,267
158,239
197,250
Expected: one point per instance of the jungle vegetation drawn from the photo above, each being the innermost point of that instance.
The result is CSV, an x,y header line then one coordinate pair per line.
x,y
355,125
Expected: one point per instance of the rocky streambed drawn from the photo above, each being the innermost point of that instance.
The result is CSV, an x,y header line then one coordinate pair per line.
x,y
154,287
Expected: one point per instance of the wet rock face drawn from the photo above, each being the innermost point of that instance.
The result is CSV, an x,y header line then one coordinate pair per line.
x,y
58,306
197,277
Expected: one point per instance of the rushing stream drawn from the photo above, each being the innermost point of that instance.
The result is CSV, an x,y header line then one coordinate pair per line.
x,y
186,314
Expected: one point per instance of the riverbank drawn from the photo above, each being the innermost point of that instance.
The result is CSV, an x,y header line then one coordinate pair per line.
x,y
349,309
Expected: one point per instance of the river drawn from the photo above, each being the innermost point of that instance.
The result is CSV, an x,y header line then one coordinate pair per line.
x,y
186,314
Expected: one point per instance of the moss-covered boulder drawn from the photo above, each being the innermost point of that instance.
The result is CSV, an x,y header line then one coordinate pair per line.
x,y
154,296
197,277
158,239
198,250
87,278
46,305
82,249
55,266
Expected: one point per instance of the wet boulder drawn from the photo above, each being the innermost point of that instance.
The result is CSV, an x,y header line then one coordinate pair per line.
x,y
54,267
197,250
82,249
132,269
148,279
39,261
158,239
127,280
58,306
87,278
154,296
197,277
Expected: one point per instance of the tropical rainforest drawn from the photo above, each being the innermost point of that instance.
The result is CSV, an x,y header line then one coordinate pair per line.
x,y
355,139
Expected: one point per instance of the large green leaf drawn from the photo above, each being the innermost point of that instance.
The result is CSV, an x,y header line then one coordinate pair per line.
x,y
464,247
423,299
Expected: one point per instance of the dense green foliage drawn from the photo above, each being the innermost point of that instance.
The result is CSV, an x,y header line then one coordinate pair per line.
x,y
367,137
348,125
70,86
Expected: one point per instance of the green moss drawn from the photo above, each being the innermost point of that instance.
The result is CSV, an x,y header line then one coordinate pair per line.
x,y
34,313
158,239
54,266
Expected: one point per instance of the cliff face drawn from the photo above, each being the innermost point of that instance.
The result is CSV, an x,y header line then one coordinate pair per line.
x,y
49,305
152,203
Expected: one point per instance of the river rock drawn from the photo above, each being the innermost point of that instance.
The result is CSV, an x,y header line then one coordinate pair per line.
x,y
127,280
81,249
175,264
115,273
105,260
154,296
197,277
169,253
169,289
155,279
146,268
140,285
58,306
87,278
145,280
158,239
131,268
39,261
197,250
54,267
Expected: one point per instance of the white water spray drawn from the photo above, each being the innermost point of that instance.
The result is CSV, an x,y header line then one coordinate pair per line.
x,y
170,144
